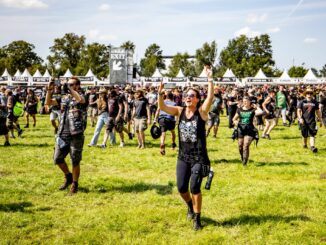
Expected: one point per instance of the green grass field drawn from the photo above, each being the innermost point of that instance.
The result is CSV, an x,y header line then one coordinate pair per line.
x,y
129,196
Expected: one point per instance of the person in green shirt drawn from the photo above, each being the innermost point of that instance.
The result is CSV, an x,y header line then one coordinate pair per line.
x,y
281,104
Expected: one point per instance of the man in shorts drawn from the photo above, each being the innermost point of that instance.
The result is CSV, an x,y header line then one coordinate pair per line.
x,y
214,113
55,109
307,110
70,137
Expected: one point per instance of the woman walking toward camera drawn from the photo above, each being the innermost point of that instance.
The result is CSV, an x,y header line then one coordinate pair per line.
x,y
193,158
246,129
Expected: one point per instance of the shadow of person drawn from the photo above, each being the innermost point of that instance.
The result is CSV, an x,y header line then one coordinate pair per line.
x,y
15,207
259,219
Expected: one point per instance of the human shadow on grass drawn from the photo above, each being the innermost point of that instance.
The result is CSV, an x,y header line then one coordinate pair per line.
x,y
132,188
223,160
15,207
259,219
261,164
34,145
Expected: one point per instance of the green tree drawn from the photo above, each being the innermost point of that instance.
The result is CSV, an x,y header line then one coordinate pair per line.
x,y
66,53
19,55
181,61
153,59
245,56
323,71
95,57
205,55
128,45
297,71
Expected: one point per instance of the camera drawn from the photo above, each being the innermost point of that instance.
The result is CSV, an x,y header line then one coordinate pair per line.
x,y
65,88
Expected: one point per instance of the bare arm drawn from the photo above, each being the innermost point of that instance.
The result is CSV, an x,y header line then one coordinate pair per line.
x,y
80,99
204,109
267,100
172,110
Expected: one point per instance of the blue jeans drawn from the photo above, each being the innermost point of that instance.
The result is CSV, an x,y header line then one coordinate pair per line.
x,y
101,121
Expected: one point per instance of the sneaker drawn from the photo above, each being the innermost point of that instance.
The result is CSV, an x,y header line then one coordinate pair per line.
x,y
305,147
314,149
73,188
103,146
26,126
268,137
7,143
68,181
90,145
285,124
130,136
174,145
20,132
122,144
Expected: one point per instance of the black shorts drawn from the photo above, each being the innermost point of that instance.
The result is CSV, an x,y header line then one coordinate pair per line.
x,y
153,109
32,110
74,147
308,130
3,126
11,120
166,124
246,130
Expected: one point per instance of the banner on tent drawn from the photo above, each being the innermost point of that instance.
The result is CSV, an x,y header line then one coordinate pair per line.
x,y
41,79
177,79
20,79
4,78
118,65
86,79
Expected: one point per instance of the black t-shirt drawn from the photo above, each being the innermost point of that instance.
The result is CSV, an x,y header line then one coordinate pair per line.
x,y
253,99
140,106
91,99
233,107
122,100
309,109
113,106
323,102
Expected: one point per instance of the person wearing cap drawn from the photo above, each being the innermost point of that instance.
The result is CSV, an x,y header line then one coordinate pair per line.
x,y
193,161
166,121
214,113
269,109
307,110
102,111
70,137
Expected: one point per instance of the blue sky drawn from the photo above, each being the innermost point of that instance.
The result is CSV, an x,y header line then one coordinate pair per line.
x,y
297,27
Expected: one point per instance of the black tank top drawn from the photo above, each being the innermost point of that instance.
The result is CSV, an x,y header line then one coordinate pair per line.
x,y
271,108
192,139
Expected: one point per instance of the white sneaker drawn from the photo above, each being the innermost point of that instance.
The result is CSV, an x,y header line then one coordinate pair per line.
x,y
122,144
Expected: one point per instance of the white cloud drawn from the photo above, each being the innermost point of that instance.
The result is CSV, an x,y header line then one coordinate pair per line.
x,y
104,7
254,18
95,34
273,30
310,40
24,4
247,32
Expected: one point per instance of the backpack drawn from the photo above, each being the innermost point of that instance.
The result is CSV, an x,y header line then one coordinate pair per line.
x,y
18,109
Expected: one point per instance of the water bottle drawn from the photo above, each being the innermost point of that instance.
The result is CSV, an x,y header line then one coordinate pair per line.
x,y
209,179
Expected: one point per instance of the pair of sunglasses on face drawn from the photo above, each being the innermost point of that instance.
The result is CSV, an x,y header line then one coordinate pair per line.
x,y
190,96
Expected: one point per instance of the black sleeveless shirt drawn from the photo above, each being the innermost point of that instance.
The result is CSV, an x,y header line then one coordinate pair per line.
x,y
192,139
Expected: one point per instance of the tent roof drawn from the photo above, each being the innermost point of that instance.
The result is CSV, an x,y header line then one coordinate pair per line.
x,y
68,73
26,73
310,75
229,73
17,74
5,73
157,74
260,74
180,74
37,74
46,73
285,75
203,73
90,73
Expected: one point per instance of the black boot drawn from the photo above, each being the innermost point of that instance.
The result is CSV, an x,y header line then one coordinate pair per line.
x,y
68,181
190,213
197,224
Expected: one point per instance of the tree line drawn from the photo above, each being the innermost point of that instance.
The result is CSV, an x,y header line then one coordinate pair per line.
x,y
242,54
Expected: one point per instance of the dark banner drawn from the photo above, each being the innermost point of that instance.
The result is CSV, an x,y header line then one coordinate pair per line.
x,y
20,79
5,78
41,79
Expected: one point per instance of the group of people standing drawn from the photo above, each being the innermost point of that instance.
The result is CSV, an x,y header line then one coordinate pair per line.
x,y
195,112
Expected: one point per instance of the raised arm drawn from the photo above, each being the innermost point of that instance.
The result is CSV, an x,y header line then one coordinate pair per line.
x,y
210,93
172,110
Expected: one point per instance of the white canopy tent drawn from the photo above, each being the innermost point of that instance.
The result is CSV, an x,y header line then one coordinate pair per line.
x,y
229,79
89,79
285,79
47,74
155,79
259,79
310,78
67,75
5,79
39,80
21,79
179,80
201,79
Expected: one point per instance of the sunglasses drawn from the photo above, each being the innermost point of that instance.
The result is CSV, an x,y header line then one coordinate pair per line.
x,y
190,95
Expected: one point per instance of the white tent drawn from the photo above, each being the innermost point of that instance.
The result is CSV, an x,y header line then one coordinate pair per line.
x,y
37,74
89,79
18,74
284,78
180,74
68,74
311,78
26,73
46,74
157,74
5,78
203,74
260,74
229,74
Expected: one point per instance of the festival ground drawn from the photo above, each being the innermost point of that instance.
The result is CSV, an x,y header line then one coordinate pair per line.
x,y
129,196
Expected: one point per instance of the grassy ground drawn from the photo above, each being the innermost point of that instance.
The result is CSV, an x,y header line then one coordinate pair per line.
x,y
129,196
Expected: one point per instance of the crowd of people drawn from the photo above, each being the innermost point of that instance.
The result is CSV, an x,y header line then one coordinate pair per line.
x,y
127,111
